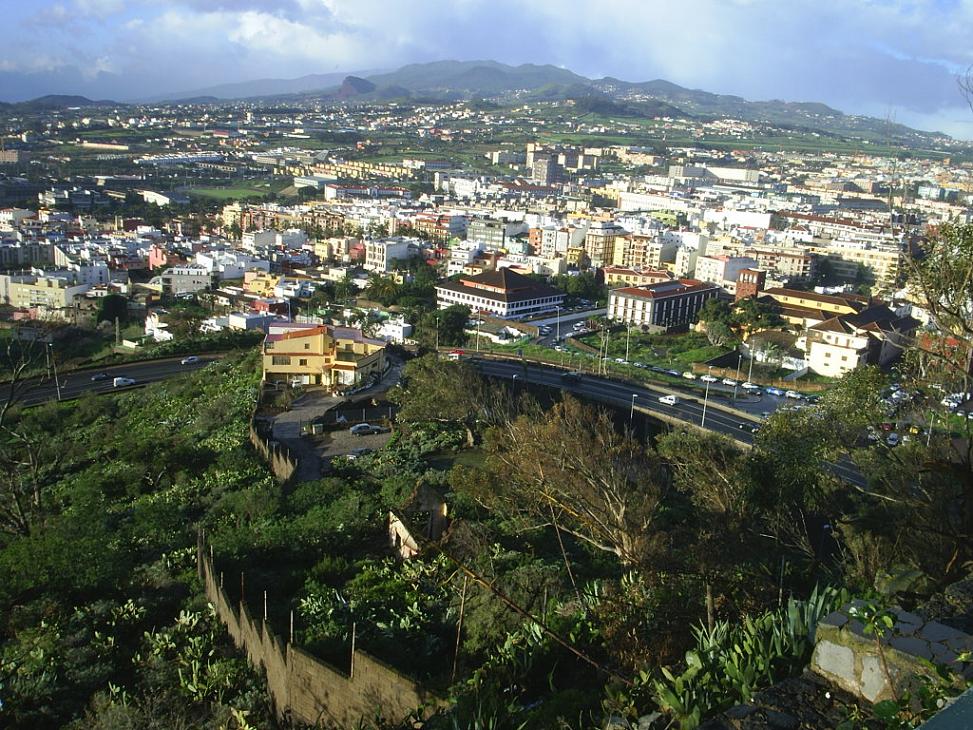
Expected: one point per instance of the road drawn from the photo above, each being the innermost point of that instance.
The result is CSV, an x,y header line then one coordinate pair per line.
x,y
689,408
76,383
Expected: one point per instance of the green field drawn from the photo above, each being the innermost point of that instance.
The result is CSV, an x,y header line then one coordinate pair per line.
x,y
230,193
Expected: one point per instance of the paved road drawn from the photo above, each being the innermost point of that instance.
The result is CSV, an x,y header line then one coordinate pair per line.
x,y
688,409
77,383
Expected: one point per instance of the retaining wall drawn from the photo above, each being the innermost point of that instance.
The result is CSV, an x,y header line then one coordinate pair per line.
x,y
305,688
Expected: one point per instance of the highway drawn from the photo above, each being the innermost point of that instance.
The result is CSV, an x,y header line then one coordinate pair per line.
x,y
76,383
688,409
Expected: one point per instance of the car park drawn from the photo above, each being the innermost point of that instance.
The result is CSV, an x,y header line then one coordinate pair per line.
x,y
189,360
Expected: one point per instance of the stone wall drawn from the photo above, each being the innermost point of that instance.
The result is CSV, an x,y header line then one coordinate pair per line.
x,y
305,688
278,457
877,670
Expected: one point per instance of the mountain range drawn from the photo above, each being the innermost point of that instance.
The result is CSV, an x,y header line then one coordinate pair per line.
x,y
502,83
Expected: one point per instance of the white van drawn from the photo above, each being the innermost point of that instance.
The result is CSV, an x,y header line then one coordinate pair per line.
x,y
668,400
122,382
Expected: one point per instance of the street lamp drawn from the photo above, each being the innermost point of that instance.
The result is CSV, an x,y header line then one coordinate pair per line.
x,y
702,423
557,332
631,413
628,337
739,364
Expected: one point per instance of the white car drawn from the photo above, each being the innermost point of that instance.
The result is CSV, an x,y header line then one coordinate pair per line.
x,y
729,381
122,382
708,378
668,400
190,360
689,376
750,386
793,394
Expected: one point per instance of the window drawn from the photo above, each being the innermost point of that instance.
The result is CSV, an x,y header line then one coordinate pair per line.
x,y
307,345
302,362
281,360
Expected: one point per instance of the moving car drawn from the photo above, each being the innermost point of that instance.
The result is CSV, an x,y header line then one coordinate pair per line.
x,y
668,400
122,382
365,429
99,376
190,360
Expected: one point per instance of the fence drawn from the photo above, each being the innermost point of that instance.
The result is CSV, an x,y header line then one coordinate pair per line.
x,y
304,688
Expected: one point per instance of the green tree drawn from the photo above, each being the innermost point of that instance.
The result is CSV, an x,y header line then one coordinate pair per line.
x,y
111,307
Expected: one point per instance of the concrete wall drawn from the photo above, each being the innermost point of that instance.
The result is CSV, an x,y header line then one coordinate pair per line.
x,y
881,670
305,688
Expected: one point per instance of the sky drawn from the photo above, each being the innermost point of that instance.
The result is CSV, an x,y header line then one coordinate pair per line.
x,y
894,59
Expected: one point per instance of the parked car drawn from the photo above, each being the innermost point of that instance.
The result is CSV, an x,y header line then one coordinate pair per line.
x,y
98,377
793,394
707,378
674,373
750,386
729,381
689,376
668,400
365,429
190,360
774,391
355,453
892,439
122,382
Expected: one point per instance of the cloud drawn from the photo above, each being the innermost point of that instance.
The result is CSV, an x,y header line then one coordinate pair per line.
x,y
856,55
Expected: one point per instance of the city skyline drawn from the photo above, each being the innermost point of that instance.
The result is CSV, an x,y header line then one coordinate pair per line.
x,y
884,59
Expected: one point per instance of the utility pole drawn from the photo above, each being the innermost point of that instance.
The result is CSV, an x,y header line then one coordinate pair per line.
x,y
57,382
702,423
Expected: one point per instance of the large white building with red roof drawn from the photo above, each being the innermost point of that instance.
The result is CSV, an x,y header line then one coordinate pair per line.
x,y
502,293
660,307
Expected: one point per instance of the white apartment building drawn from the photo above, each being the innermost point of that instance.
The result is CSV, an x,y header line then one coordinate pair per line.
x,y
381,253
723,270
660,307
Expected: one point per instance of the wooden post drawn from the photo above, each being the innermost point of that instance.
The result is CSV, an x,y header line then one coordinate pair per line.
x,y
459,627
351,671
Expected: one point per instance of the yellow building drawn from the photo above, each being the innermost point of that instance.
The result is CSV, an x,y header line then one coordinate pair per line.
x,y
334,357
260,283
47,297
806,309
616,276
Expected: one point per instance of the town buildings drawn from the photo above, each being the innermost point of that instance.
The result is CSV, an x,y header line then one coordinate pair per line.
x,y
502,293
